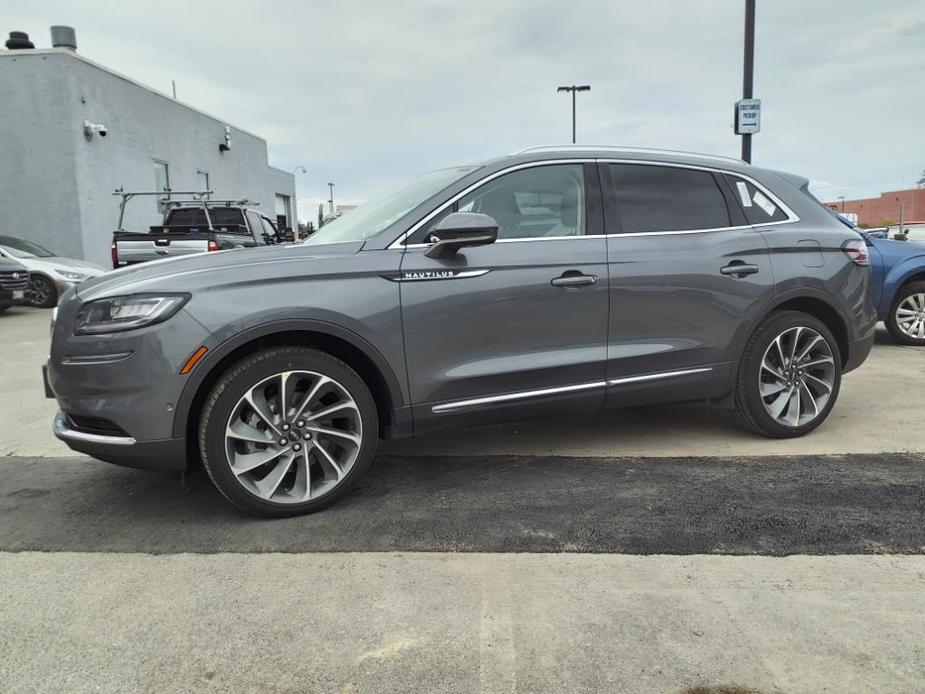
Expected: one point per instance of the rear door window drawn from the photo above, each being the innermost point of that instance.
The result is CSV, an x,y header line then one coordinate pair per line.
x,y
756,204
666,198
256,223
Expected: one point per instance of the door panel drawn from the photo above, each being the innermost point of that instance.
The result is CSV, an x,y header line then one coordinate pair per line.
x,y
500,326
679,299
673,307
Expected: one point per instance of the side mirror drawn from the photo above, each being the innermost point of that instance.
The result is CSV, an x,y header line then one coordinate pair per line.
x,y
461,229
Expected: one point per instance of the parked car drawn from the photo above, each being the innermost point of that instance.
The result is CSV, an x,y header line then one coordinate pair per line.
x,y
193,226
50,274
14,278
557,280
898,286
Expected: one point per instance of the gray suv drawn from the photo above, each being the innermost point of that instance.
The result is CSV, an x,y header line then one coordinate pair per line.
x,y
557,280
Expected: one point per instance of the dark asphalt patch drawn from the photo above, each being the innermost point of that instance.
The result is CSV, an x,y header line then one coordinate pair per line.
x,y
855,504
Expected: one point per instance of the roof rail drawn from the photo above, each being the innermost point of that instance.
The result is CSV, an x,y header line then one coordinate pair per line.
x,y
621,148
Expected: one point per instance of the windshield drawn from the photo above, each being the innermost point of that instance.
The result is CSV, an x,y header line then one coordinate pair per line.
x,y
371,217
20,248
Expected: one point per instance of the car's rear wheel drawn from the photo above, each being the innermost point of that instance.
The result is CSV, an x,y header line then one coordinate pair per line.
x,y
906,321
288,431
41,292
789,376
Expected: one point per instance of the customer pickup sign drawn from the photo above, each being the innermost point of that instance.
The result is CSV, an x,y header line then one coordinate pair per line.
x,y
748,116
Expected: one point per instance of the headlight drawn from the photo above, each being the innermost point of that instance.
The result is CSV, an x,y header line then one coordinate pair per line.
x,y
127,312
71,275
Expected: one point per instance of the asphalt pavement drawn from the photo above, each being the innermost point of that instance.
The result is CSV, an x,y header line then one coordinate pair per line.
x,y
646,550
812,505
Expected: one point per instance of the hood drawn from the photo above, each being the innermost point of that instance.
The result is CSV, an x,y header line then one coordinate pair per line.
x,y
49,265
7,265
191,272
895,252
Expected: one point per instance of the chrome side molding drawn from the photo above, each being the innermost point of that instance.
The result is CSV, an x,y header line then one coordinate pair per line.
x,y
525,394
657,376
508,397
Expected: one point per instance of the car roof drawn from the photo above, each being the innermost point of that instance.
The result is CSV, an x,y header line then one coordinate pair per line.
x,y
625,152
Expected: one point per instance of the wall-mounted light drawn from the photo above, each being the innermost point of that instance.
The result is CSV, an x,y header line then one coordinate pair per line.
x,y
226,145
94,128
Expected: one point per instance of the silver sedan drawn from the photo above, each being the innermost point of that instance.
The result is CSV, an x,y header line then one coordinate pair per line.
x,y
50,274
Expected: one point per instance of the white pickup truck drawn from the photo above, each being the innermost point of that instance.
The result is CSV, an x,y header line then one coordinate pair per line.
x,y
192,226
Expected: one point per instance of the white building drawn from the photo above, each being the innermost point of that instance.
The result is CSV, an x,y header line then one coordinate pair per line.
x,y
57,175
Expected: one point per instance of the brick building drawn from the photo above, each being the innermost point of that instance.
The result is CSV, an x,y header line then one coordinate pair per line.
x,y
884,210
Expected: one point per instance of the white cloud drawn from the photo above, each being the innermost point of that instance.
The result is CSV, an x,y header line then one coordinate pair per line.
x,y
364,93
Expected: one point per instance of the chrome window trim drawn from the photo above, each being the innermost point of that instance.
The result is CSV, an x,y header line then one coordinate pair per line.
x,y
397,243
526,238
792,216
522,395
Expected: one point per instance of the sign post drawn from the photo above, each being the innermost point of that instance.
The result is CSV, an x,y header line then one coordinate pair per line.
x,y
748,78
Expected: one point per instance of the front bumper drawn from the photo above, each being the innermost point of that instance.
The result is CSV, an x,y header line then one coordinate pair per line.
x,y
10,297
117,393
164,455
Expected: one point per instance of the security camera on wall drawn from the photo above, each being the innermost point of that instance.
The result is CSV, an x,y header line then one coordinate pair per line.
x,y
226,145
94,128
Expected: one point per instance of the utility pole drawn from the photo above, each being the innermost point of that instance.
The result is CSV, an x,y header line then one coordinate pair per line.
x,y
748,72
331,199
574,88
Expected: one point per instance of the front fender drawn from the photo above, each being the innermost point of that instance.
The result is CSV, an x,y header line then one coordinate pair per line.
x,y
226,341
897,276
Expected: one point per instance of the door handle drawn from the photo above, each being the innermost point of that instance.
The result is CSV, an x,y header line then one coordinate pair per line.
x,y
573,279
739,269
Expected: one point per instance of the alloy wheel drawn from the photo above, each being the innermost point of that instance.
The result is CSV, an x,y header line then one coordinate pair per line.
x,y
797,376
38,292
293,437
910,316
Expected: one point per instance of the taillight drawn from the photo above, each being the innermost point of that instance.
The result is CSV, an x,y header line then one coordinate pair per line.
x,y
857,251
213,246
114,252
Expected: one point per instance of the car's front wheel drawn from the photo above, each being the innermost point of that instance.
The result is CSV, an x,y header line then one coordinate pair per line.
x,y
287,431
41,292
906,321
789,376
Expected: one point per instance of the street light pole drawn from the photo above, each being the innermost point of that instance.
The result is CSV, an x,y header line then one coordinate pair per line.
x,y
748,71
292,202
574,88
331,199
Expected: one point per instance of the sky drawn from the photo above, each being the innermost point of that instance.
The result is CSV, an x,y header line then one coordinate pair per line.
x,y
368,93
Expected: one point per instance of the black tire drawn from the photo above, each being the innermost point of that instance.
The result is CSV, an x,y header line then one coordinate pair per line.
x,y
3,308
41,292
749,406
892,322
244,375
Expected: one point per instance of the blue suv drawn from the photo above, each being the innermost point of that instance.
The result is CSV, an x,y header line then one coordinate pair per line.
x,y
897,283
